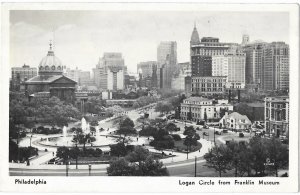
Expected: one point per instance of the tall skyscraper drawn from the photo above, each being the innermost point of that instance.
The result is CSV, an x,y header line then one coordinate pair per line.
x,y
148,71
232,66
146,68
166,60
254,70
201,53
109,72
267,65
275,62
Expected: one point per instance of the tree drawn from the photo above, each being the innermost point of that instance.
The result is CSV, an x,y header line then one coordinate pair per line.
x,y
74,153
244,109
218,158
118,149
163,107
63,152
205,117
190,140
171,127
235,150
126,127
189,130
162,140
120,167
259,153
148,167
277,153
152,167
148,131
138,154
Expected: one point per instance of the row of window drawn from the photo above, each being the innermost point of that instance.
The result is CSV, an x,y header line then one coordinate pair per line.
x,y
206,89
48,68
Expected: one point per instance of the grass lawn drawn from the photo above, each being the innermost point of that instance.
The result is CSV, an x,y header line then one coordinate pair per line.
x,y
180,147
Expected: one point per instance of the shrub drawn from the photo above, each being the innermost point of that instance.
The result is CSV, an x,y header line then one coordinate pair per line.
x,y
176,137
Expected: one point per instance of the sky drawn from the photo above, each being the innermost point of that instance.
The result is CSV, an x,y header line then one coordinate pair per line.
x,y
81,37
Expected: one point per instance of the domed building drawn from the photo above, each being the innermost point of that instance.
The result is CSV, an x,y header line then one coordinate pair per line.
x,y
50,79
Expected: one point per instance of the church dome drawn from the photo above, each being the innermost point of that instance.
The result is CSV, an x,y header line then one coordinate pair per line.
x,y
50,63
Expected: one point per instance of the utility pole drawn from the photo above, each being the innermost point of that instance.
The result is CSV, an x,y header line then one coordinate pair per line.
x,y
214,135
195,166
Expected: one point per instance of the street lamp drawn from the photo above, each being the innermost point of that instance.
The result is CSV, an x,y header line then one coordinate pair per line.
x,y
195,166
67,165
90,168
30,140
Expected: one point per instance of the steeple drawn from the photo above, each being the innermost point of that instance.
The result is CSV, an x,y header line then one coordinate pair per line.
x,y
195,36
50,52
50,44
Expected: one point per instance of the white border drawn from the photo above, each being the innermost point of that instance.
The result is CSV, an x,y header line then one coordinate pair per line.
x,y
148,184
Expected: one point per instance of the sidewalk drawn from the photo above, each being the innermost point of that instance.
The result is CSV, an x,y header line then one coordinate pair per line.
x,y
179,156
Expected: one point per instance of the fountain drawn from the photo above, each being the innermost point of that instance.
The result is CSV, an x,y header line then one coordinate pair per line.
x,y
64,132
65,140
83,124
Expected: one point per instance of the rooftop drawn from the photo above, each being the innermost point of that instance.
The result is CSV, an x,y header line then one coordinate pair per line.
x,y
199,99
237,116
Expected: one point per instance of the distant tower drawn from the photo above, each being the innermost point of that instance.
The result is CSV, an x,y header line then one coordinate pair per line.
x,y
195,37
246,40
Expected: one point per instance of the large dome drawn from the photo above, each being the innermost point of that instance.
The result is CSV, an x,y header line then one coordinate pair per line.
x,y
50,63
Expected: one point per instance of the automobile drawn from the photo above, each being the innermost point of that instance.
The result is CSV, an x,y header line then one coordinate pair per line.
x,y
258,133
205,133
241,135
282,137
218,132
247,130
225,130
205,127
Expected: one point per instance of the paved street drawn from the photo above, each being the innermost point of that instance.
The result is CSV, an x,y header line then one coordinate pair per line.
x,y
183,168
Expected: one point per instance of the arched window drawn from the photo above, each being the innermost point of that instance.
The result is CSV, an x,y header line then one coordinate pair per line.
x,y
58,68
53,67
47,68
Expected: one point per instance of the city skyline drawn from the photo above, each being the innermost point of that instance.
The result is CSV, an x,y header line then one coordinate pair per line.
x,y
80,43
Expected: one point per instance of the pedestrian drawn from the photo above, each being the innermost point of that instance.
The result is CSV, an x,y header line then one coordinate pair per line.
x,y
137,139
52,153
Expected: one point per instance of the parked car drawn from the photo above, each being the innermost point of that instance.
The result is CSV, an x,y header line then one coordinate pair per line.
x,y
247,130
241,135
205,127
225,130
218,132
205,133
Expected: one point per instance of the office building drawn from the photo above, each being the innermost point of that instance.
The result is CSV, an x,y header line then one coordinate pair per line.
x,y
275,62
233,67
166,61
277,115
208,85
109,72
200,109
23,73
